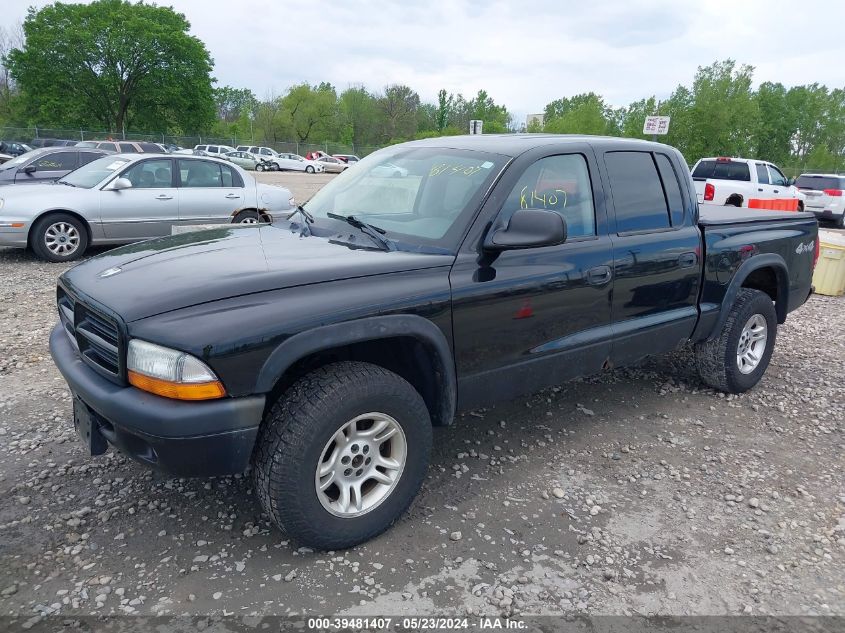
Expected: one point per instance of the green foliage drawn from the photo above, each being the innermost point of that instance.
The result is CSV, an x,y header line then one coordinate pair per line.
x,y
113,63
581,114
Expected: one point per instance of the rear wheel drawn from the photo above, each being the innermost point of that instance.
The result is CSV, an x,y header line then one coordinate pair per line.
x,y
737,358
341,454
59,237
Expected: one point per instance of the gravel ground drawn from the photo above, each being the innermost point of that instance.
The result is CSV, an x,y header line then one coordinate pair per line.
x,y
635,492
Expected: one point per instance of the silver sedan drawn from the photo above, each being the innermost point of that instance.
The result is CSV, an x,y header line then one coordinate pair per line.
x,y
130,197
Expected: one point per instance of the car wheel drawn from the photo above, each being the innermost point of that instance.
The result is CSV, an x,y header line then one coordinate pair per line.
x,y
341,454
309,169
737,358
259,167
59,237
840,223
246,217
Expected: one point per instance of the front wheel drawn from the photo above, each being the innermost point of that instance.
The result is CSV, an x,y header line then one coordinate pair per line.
x,y
246,217
309,169
341,454
259,167
737,358
59,237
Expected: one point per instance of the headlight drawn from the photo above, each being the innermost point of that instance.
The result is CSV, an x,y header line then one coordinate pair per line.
x,y
170,373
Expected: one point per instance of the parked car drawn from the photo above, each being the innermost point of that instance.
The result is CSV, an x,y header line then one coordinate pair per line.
x,y
389,170
171,148
332,164
293,162
265,153
213,150
130,197
14,149
125,147
315,155
347,158
825,196
242,159
46,164
4,158
744,182
322,349
51,142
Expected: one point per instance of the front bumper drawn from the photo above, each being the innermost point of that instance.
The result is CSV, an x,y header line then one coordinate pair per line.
x,y
188,439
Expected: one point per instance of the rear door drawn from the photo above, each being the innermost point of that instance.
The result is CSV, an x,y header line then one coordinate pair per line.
x,y
147,209
656,254
48,167
209,192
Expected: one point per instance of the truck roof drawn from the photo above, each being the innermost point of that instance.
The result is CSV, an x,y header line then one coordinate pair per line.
x,y
516,144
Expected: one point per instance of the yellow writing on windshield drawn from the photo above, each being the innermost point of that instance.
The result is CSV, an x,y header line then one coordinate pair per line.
x,y
451,169
551,199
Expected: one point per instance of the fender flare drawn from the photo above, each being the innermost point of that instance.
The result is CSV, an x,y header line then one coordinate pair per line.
x,y
766,260
327,337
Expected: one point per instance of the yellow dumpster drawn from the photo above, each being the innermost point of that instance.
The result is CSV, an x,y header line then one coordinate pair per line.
x,y
829,276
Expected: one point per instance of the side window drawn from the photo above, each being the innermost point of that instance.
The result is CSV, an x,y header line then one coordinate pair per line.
x,y
150,147
150,174
230,177
128,148
57,161
87,157
637,193
111,147
777,176
199,173
762,173
560,184
672,188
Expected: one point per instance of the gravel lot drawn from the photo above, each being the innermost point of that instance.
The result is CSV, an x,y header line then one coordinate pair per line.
x,y
637,491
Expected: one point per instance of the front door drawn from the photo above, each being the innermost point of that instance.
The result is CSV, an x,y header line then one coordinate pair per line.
x,y
209,192
147,209
526,319
656,252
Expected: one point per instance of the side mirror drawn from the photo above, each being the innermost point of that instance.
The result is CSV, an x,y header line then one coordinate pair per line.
x,y
120,184
790,182
29,169
529,228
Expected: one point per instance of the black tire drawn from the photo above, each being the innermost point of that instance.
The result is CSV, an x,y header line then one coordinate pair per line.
x,y
247,217
840,223
49,223
309,169
259,167
298,427
716,360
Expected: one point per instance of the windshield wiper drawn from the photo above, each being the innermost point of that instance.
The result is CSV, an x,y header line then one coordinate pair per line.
x,y
309,219
65,182
375,232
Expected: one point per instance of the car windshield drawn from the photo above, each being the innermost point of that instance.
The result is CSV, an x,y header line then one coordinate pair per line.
x,y
419,195
95,172
22,158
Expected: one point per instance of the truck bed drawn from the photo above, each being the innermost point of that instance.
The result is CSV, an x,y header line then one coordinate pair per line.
x,y
714,214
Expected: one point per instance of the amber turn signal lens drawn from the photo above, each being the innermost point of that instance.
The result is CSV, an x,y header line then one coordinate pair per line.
x,y
177,390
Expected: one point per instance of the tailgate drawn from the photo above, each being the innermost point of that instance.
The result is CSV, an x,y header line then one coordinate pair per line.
x,y
699,188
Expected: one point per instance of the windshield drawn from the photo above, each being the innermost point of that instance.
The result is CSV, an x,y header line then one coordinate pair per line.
x,y
416,194
23,158
95,172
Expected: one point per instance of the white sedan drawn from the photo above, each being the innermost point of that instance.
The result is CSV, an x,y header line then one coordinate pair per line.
x,y
294,162
332,164
129,197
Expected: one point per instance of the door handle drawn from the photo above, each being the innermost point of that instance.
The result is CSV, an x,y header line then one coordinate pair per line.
x,y
232,195
776,191
599,275
759,189
164,197
685,260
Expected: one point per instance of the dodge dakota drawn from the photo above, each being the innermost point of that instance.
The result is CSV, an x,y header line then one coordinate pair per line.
x,y
320,349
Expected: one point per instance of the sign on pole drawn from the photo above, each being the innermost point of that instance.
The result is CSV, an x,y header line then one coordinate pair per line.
x,y
475,126
656,125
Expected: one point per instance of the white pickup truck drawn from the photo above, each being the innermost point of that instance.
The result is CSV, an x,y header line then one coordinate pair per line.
x,y
743,182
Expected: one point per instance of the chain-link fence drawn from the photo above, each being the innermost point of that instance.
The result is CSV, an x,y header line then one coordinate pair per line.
x,y
28,134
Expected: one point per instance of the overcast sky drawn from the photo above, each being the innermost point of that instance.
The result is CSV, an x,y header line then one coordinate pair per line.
x,y
524,54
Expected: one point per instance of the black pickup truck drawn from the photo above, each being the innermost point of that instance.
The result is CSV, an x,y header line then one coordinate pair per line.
x,y
432,277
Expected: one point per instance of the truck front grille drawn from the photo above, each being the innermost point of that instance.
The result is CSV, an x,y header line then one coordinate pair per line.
x,y
95,335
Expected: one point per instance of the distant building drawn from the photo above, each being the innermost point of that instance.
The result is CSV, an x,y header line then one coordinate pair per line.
x,y
534,120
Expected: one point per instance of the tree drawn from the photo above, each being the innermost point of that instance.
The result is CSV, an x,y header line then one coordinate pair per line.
x,y
9,40
358,112
310,110
232,103
582,114
398,108
116,64
444,106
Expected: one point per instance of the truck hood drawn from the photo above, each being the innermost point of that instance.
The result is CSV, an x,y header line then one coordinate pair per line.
x,y
157,276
